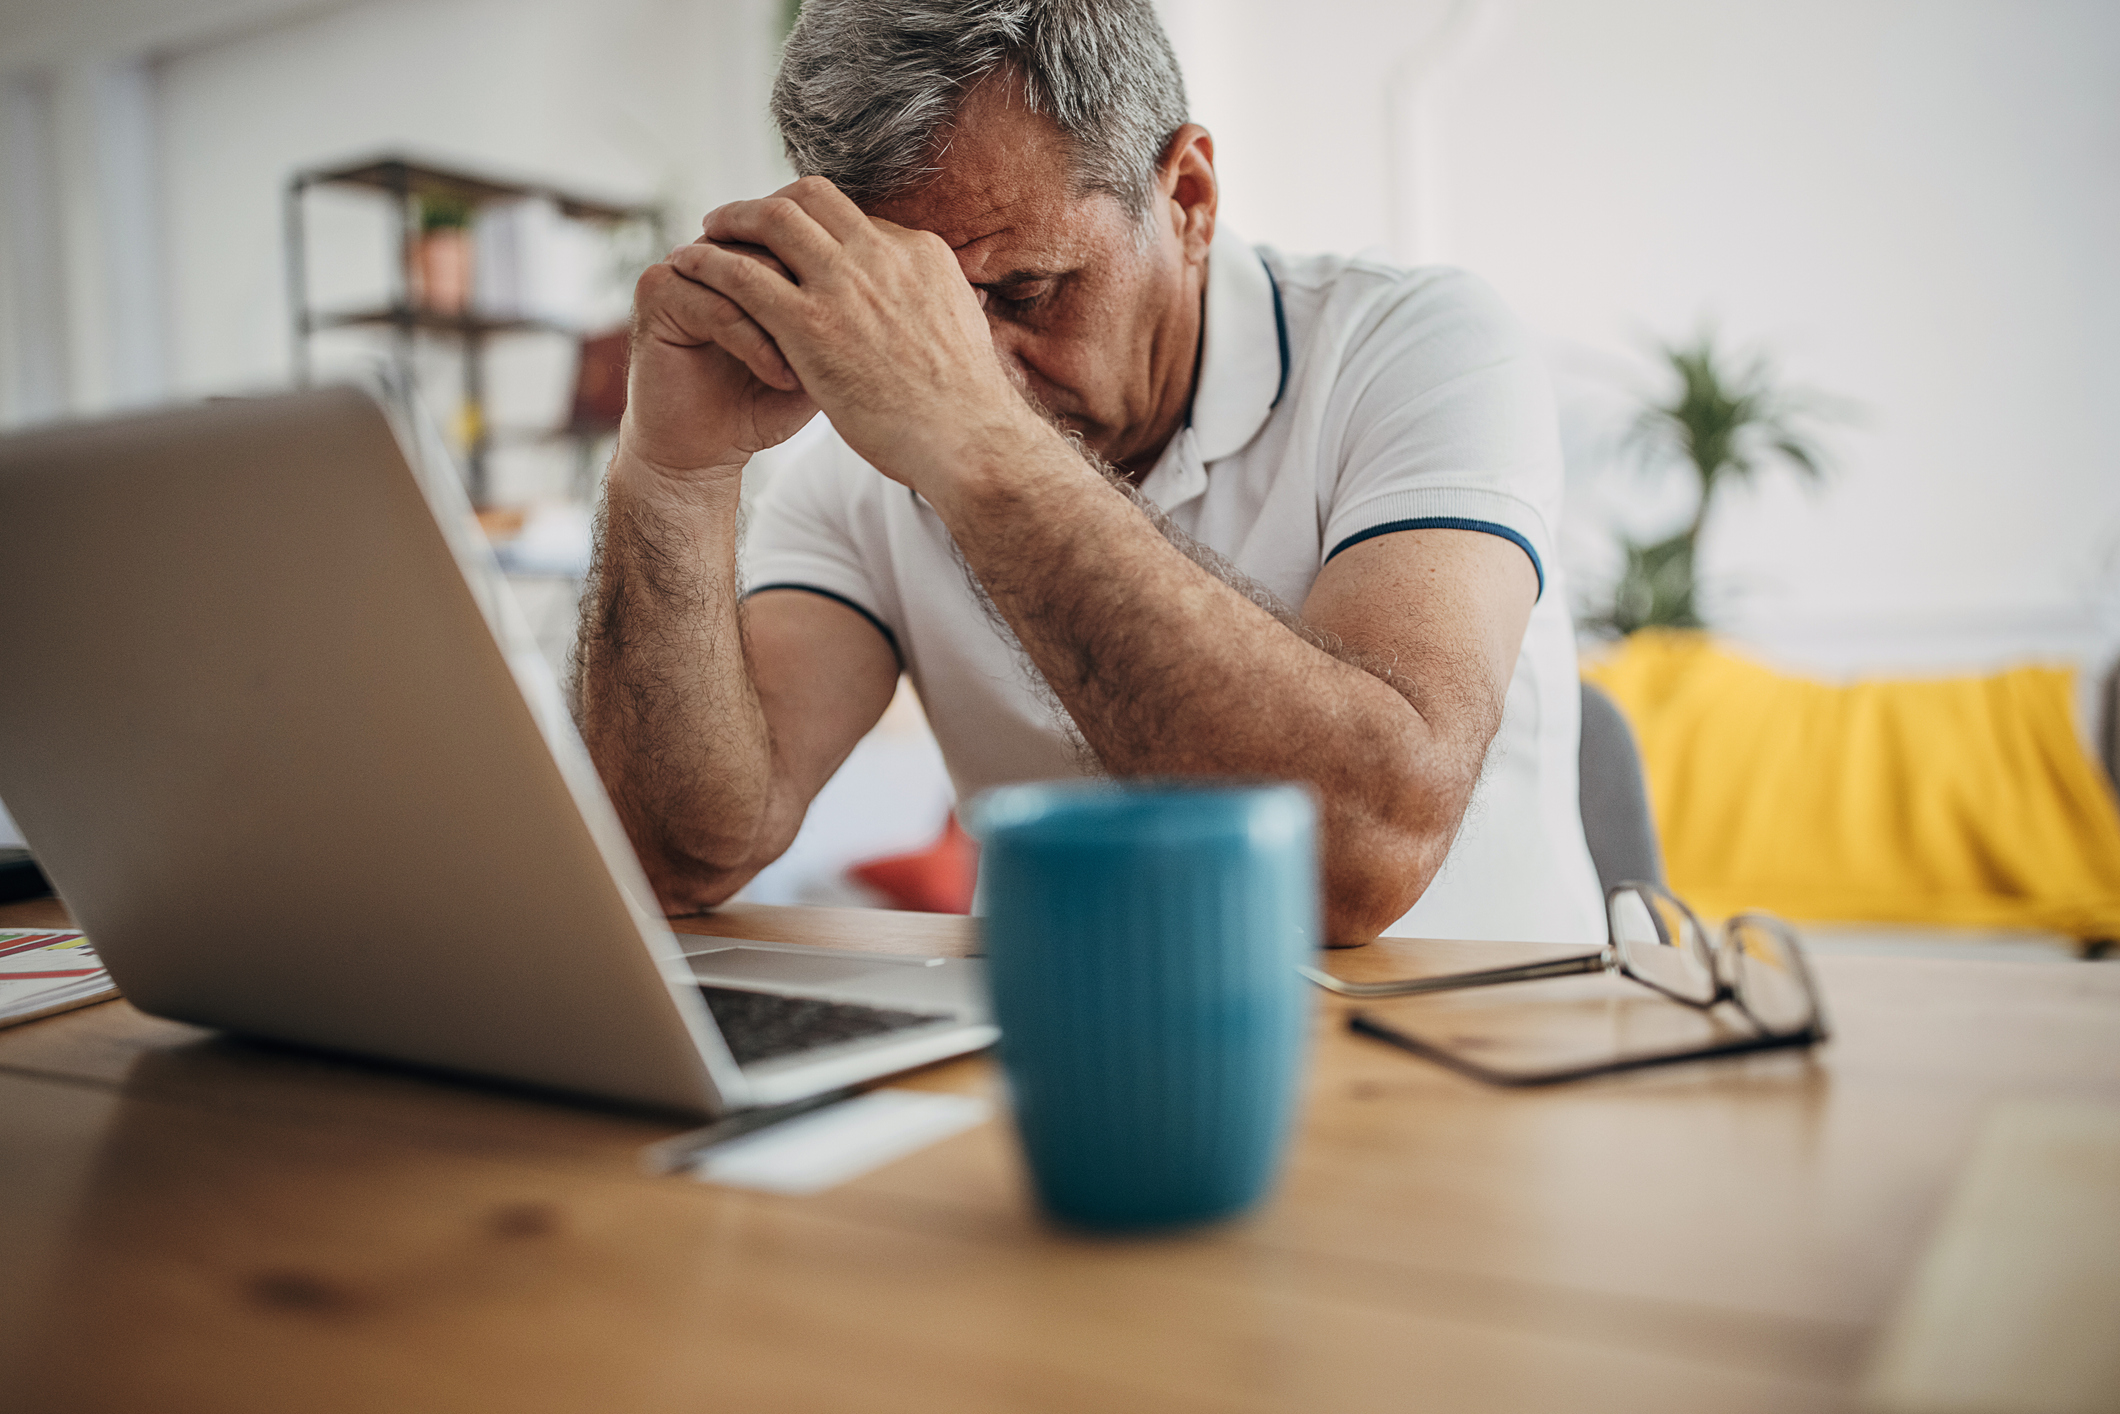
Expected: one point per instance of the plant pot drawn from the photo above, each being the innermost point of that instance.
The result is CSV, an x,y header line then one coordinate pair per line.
x,y
441,270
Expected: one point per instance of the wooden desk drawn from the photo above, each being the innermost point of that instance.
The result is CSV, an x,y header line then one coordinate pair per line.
x,y
195,1224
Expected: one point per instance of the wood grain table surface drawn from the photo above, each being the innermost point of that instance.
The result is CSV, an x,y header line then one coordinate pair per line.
x,y
193,1223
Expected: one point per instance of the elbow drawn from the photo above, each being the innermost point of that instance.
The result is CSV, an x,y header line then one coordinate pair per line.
x,y
1381,860
695,875
1368,890
691,886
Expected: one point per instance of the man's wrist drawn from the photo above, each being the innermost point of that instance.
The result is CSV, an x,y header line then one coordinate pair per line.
x,y
697,488
995,465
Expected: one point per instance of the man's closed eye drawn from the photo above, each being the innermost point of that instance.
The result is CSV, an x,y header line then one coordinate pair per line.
x,y
1019,298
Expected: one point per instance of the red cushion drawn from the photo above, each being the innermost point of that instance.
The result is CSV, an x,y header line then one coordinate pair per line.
x,y
937,879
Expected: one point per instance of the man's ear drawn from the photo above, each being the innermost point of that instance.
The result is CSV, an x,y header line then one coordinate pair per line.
x,y
1190,189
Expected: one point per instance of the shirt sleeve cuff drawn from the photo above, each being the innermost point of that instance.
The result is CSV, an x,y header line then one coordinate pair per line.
x,y
817,575
1463,508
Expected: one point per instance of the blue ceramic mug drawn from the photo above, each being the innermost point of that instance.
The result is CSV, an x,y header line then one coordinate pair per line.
x,y
1142,943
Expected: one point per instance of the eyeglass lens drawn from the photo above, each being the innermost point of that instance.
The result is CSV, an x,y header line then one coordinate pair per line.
x,y
1662,945
1767,977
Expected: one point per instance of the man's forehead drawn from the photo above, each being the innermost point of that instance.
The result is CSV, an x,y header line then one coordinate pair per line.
x,y
993,237
1003,192
971,217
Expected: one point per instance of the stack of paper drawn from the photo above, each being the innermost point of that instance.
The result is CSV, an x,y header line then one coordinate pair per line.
x,y
43,970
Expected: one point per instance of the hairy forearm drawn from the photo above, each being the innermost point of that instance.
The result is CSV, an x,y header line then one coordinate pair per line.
x,y
1167,669
667,705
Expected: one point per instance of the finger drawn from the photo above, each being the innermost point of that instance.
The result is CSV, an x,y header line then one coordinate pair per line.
x,y
764,294
829,207
779,224
753,252
758,283
924,246
714,259
687,313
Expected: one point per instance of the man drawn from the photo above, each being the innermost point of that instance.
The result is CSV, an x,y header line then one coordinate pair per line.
x,y
1085,446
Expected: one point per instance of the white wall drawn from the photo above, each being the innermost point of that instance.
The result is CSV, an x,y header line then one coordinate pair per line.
x,y
1915,203
81,277
34,338
83,283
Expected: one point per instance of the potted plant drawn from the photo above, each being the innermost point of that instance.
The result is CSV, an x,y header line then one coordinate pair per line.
x,y
441,261
1724,419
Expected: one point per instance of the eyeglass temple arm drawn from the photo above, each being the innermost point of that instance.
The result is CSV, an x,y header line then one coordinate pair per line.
x,y
1455,981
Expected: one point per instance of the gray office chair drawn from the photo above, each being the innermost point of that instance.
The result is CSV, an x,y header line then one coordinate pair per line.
x,y
1615,796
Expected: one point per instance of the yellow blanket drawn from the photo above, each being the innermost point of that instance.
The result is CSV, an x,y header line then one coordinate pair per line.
x,y
1960,800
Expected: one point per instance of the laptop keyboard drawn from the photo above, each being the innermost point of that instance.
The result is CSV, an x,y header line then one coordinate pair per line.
x,y
760,1026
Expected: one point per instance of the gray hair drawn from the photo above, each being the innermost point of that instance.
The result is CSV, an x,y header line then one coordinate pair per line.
x,y
867,88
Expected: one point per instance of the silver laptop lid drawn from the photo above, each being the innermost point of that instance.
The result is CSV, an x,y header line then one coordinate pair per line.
x,y
266,743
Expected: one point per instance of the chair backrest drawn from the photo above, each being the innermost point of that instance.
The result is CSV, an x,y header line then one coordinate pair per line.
x,y
1615,796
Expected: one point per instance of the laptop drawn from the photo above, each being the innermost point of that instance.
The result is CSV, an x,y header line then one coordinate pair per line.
x,y
286,750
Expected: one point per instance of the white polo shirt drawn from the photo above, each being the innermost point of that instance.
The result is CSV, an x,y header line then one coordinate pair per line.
x,y
1337,400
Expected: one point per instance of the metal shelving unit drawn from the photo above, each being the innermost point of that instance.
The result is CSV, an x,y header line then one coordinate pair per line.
x,y
407,184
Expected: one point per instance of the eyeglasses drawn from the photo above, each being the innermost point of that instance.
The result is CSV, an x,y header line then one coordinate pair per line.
x,y
1754,967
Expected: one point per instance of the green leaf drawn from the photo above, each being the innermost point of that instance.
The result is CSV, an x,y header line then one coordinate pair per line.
x,y
1723,416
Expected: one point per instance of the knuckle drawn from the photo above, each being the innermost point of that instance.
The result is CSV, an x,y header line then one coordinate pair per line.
x,y
653,282
746,276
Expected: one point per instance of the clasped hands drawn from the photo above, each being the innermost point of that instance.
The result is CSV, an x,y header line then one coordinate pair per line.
x,y
798,302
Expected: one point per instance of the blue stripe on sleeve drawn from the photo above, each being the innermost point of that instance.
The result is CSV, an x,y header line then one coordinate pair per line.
x,y
881,627
1485,527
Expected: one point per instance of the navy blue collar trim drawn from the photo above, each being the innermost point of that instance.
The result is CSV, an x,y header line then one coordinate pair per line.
x,y
1280,329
